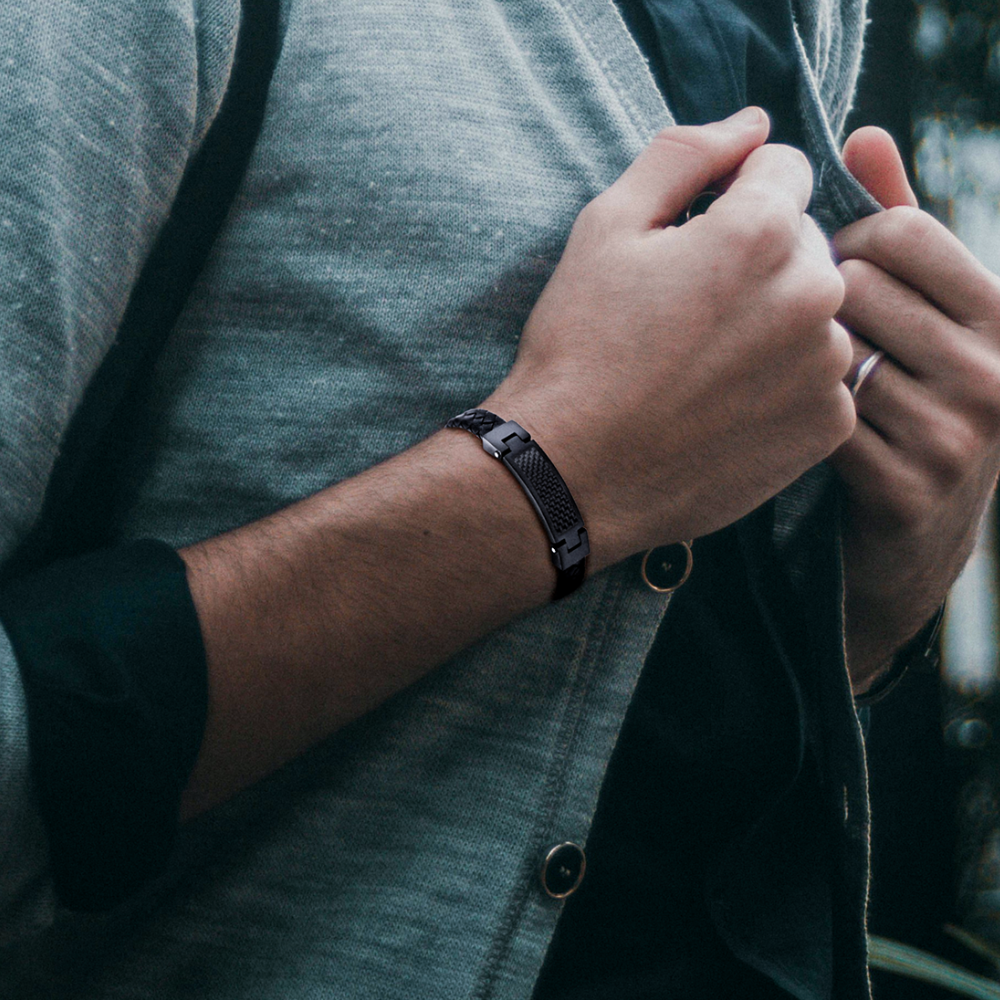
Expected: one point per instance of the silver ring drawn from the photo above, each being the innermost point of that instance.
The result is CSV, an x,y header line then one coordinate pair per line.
x,y
699,204
865,370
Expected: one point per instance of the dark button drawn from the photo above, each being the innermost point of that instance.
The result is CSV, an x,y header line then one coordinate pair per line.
x,y
666,567
562,870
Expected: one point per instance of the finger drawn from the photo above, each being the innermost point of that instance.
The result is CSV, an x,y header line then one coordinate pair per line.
x,y
861,351
871,468
924,439
915,248
760,217
870,154
822,273
815,242
681,162
905,484
882,481
770,174
893,403
892,316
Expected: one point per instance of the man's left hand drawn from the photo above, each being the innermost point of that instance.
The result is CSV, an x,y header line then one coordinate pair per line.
x,y
923,461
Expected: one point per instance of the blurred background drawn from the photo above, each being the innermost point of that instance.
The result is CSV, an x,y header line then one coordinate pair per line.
x,y
931,77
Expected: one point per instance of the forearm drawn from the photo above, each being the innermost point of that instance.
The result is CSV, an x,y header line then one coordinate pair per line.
x,y
315,615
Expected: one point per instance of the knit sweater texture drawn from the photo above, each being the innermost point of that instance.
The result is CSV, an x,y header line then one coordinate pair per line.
x,y
411,192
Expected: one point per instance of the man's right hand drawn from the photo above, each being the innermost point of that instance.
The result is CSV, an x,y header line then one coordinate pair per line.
x,y
679,376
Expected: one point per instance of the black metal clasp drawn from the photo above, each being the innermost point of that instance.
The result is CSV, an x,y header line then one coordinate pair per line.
x,y
573,547
507,439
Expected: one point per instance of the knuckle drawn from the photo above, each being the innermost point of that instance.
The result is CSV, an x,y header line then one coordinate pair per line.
x,y
991,291
596,215
783,162
844,417
813,239
765,235
982,377
857,275
801,312
735,229
910,508
831,289
839,351
903,225
739,230
795,160
599,222
953,449
778,229
908,499
836,419
813,295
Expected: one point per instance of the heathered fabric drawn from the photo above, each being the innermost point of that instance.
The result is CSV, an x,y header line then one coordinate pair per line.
x,y
417,175
101,105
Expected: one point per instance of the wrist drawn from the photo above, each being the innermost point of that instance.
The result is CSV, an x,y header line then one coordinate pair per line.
x,y
605,457
572,450
526,461
919,651
879,627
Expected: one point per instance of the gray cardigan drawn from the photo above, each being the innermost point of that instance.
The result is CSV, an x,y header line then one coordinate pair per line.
x,y
414,183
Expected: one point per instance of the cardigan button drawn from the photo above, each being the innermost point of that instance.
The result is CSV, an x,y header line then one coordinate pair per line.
x,y
562,870
666,567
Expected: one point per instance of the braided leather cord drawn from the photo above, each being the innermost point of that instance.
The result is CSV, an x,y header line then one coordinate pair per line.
x,y
548,493
478,422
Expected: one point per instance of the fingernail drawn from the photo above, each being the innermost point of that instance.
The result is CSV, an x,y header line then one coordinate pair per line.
x,y
746,119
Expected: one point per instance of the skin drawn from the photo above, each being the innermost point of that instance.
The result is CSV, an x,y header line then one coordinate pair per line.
x,y
315,615
923,460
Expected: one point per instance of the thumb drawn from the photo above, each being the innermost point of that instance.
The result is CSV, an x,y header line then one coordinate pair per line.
x,y
871,155
681,162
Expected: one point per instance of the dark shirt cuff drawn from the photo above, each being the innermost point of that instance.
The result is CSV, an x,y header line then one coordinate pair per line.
x,y
111,655
920,651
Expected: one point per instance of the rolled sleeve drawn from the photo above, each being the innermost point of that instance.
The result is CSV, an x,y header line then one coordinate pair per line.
x,y
110,652
102,107
26,897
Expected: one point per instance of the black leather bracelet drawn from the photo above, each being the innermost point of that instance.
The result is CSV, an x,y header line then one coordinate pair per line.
x,y
531,467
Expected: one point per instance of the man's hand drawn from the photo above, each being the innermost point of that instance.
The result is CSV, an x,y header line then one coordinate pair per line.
x,y
680,376
677,377
923,459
